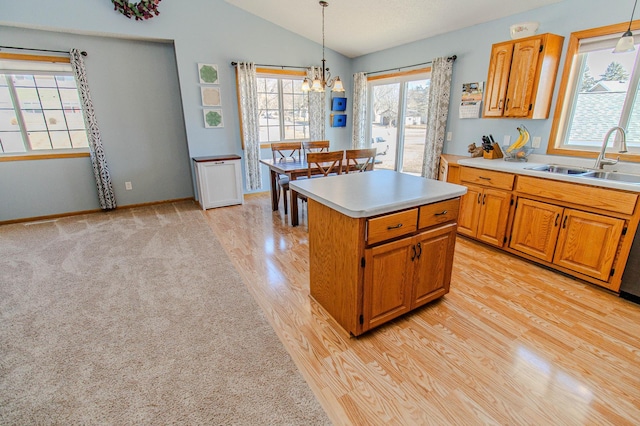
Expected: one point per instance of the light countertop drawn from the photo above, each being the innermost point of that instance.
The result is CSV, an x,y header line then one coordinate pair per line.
x,y
521,168
377,192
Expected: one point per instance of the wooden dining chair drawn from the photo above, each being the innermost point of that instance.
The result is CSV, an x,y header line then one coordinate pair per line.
x,y
326,162
359,160
285,151
314,146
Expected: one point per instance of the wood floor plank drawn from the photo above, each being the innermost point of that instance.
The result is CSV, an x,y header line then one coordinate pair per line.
x,y
512,343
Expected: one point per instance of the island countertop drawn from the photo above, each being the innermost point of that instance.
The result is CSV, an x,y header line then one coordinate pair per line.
x,y
377,192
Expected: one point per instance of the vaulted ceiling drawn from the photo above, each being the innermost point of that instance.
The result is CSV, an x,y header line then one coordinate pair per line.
x,y
358,27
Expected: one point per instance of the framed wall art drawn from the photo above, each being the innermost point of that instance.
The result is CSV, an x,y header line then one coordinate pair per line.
x,y
339,104
208,73
210,96
338,120
213,118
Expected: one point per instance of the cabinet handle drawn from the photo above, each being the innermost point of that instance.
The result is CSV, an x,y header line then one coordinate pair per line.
x,y
484,197
420,250
479,197
389,228
218,162
557,217
485,178
413,255
441,213
500,104
506,106
564,222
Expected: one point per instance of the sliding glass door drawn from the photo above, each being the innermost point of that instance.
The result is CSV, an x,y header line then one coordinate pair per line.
x,y
398,106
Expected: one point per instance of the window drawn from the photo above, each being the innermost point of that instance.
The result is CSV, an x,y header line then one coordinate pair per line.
x,y
40,108
398,106
283,107
599,90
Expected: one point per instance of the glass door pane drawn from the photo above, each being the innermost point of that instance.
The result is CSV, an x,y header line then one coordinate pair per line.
x,y
414,125
384,121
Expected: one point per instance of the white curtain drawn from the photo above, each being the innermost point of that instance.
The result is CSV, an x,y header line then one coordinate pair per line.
x,y
358,139
101,172
439,95
247,86
317,108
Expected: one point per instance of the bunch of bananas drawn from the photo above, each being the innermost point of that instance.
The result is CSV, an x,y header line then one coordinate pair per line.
x,y
522,140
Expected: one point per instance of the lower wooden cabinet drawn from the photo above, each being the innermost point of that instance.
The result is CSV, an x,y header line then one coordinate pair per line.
x,y
404,274
484,213
580,241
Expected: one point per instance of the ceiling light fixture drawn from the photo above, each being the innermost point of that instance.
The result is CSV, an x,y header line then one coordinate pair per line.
x,y
324,79
625,44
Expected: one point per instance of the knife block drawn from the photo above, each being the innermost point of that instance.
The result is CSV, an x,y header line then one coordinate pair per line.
x,y
494,154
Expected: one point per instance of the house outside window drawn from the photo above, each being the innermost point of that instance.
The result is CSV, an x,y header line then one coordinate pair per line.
x,y
600,90
398,105
283,107
40,109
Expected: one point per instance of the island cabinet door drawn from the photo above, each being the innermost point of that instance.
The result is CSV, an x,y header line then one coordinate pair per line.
x,y
469,211
433,264
388,281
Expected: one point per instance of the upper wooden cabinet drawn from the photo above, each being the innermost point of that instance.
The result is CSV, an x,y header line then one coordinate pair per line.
x,y
522,75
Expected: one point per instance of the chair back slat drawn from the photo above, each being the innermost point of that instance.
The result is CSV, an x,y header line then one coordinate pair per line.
x,y
359,160
327,162
315,146
282,151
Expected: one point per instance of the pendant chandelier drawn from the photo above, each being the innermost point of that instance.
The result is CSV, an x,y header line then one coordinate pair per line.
x,y
320,82
625,44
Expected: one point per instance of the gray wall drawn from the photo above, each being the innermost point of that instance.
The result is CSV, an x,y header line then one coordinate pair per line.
x,y
154,158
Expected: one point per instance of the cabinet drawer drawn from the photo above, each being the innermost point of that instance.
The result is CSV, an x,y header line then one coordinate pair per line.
x,y
487,178
391,226
433,214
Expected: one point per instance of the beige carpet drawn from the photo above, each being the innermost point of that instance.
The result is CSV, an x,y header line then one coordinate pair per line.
x,y
137,317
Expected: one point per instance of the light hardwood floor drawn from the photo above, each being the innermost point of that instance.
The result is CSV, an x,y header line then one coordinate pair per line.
x,y
511,344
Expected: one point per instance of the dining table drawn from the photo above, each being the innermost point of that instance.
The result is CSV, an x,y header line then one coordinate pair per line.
x,y
292,168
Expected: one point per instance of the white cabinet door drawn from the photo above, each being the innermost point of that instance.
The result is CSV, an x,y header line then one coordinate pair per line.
x,y
219,183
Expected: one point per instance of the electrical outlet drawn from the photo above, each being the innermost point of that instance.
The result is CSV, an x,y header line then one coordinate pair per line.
x,y
507,140
449,136
128,186
536,142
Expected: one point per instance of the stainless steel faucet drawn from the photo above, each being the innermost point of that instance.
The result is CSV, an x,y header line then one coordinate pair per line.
x,y
602,160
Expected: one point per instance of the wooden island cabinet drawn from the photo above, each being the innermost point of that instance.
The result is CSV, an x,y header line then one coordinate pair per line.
x,y
381,244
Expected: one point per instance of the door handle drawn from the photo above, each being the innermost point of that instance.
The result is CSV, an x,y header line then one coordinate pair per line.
x,y
414,254
564,222
419,250
557,217
484,198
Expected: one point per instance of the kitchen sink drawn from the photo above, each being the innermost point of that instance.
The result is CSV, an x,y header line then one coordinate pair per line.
x,y
616,176
556,168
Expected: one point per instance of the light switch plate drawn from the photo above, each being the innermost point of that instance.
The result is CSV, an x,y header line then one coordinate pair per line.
x,y
449,136
536,142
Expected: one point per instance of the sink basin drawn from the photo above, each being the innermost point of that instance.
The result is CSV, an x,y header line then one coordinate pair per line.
x,y
616,176
556,168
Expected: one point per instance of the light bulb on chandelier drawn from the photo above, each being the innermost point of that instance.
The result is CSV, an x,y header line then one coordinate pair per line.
x,y
320,82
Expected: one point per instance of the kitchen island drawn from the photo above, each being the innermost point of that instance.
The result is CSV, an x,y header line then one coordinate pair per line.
x,y
381,244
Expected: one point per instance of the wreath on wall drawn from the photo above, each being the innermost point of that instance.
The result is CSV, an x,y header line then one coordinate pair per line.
x,y
145,9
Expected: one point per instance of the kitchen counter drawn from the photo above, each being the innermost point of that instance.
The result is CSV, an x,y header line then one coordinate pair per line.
x,y
359,195
539,160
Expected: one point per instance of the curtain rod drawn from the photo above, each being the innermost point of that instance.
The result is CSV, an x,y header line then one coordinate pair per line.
x,y
450,58
83,53
233,64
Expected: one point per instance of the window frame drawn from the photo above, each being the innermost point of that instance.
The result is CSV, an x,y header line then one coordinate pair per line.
x,y
263,72
567,93
44,154
401,77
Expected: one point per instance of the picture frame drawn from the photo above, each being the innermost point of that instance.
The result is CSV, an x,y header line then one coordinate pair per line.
x,y
210,96
338,104
208,73
213,118
338,120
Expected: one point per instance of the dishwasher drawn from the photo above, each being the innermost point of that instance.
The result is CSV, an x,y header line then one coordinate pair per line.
x,y
630,286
